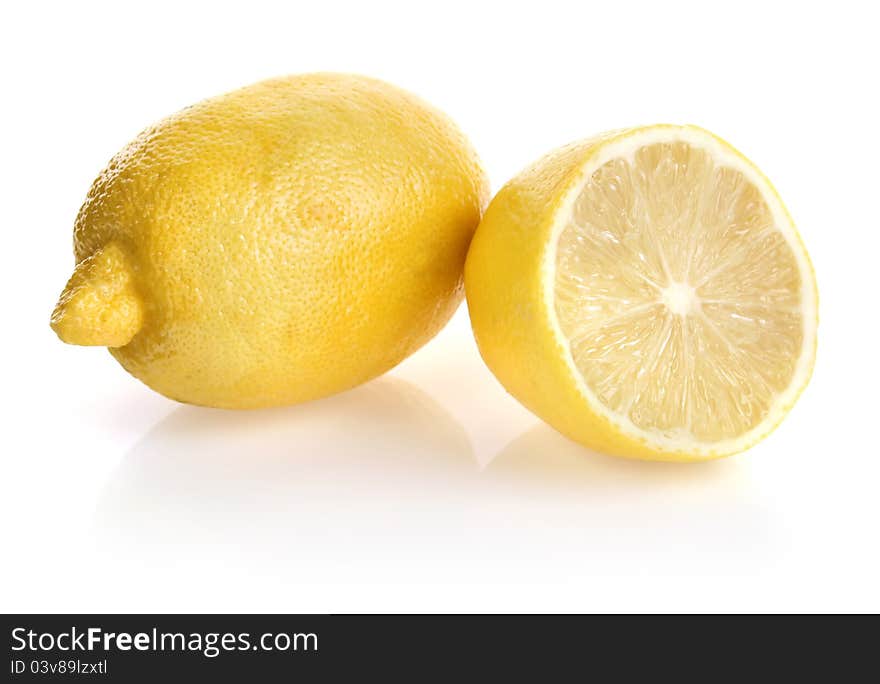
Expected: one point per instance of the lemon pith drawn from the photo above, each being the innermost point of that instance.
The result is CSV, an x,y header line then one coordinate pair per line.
x,y
276,244
646,293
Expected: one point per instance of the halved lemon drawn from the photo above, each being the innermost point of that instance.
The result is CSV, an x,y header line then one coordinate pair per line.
x,y
646,293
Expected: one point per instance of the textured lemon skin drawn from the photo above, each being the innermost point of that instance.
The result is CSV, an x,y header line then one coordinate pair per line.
x,y
288,240
510,315
100,305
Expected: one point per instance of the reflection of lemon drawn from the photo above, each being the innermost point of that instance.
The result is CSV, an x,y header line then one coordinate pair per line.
x,y
646,293
276,244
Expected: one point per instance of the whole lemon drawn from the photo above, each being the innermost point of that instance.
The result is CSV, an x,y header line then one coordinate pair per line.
x,y
276,244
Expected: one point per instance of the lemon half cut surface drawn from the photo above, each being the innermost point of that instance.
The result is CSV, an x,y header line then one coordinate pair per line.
x,y
646,293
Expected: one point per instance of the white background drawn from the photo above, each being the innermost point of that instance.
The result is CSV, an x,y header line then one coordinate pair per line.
x,y
431,489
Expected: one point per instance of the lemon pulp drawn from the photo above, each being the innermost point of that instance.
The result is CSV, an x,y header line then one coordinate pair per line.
x,y
679,296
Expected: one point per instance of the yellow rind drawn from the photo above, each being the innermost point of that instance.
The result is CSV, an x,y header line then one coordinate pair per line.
x,y
99,306
291,239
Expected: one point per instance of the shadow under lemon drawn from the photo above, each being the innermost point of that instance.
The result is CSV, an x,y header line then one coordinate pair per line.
x,y
617,509
301,467
381,482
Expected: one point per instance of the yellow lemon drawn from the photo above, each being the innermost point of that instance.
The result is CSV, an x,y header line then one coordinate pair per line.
x,y
276,244
646,293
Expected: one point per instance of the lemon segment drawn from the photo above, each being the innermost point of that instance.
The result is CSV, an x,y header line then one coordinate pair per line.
x,y
672,303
